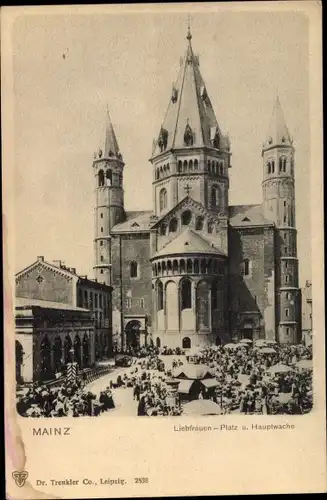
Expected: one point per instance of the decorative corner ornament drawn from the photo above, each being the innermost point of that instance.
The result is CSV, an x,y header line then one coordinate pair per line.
x,y
20,477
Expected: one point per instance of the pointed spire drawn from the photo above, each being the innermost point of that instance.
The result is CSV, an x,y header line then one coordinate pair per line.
x,y
189,110
189,36
278,134
111,148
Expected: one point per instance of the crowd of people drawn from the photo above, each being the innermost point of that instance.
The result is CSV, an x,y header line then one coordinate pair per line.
x,y
247,385
150,390
66,400
248,379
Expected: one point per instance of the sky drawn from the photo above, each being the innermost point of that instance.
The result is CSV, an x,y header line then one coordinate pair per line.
x,y
129,62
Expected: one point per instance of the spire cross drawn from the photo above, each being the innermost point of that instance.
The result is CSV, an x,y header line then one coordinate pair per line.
x,y
188,189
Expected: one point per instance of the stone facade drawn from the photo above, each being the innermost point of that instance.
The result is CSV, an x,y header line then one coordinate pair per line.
x,y
195,270
57,310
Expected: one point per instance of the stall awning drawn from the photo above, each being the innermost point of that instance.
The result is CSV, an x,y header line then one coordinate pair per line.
x,y
185,386
210,382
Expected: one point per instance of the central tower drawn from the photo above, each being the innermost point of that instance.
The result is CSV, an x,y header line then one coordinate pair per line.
x,y
190,155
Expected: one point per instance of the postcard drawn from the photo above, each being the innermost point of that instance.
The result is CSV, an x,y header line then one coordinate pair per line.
x,y
163,250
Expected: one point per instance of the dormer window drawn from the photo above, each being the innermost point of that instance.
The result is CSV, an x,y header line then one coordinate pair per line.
x,y
270,140
188,136
204,94
216,141
283,139
163,139
174,95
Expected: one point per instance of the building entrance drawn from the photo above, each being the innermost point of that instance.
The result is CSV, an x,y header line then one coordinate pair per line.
x,y
132,333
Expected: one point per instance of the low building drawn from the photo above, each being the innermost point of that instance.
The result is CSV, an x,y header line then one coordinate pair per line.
x,y
48,336
53,299
306,303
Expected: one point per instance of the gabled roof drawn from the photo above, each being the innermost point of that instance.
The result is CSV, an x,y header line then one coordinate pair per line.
x,y
188,242
186,202
189,110
194,372
42,263
139,221
278,133
248,215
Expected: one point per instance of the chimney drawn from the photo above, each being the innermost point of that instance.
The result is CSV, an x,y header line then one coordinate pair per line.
x,y
40,258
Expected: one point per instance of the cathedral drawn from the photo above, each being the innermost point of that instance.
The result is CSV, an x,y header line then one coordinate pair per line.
x,y
195,270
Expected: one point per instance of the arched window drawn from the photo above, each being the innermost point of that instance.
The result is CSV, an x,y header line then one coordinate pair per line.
x,y
209,166
186,217
101,178
185,166
161,172
160,295
189,266
273,167
186,294
246,267
133,269
169,266
163,228
214,295
108,178
199,223
214,197
221,169
182,266
186,343
269,167
190,165
180,165
210,227
284,164
165,170
157,173
196,266
175,266
173,224
196,164
163,199
168,169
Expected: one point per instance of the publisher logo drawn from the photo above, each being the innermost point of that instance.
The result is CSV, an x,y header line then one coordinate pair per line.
x,y
20,477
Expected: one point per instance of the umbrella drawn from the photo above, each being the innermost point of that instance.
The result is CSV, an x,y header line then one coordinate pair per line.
x,y
280,368
260,342
246,341
271,342
267,350
284,397
231,346
201,407
304,364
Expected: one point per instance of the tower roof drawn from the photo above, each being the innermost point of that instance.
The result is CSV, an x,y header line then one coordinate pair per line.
x,y
278,133
190,119
188,242
110,147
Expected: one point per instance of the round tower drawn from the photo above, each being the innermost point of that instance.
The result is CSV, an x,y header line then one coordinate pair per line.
x,y
108,169
279,206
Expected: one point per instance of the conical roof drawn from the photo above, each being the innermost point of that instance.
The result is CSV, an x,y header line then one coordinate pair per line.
x,y
278,133
190,112
188,242
110,147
